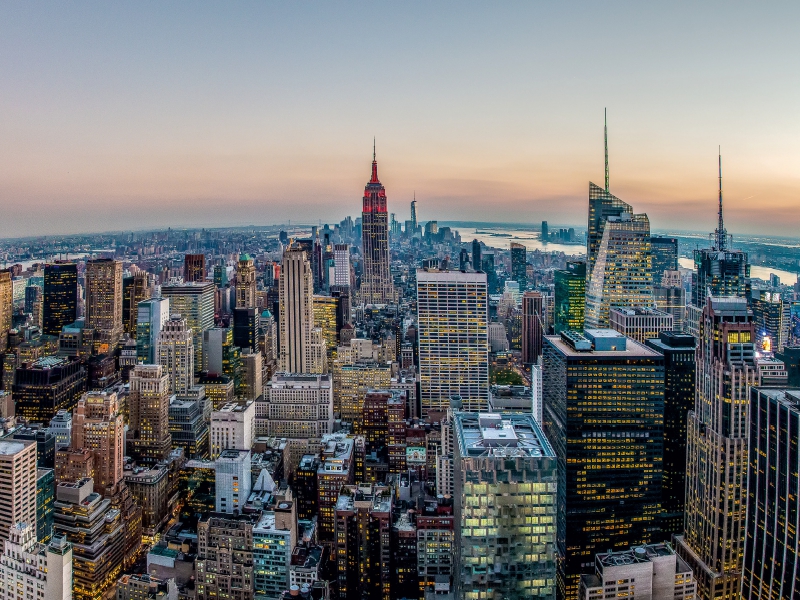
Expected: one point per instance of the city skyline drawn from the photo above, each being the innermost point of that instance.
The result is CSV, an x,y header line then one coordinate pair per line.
x,y
116,116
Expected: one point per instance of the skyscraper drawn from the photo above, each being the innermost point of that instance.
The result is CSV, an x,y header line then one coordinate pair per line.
x,y
135,289
152,314
341,261
621,273
175,353
148,406
17,484
609,487
33,570
716,449
665,256
505,477
98,426
46,386
245,282
532,327
194,267
773,496
453,339
300,341
414,215
719,270
569,293
195,303
477,265
680,371
519,265
6,307
376,281
104,300
60,301
487,260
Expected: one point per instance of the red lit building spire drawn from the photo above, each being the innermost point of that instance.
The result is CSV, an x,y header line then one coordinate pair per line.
x,y
376,282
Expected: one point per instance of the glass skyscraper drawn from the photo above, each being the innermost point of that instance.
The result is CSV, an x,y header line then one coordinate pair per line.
x,y
60,301
570,296
519,265
665,256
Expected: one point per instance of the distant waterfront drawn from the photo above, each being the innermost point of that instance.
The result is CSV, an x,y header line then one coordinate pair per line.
x,y
502,238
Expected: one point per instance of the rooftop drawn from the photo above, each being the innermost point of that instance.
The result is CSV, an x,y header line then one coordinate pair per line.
x,y
501,435
633,349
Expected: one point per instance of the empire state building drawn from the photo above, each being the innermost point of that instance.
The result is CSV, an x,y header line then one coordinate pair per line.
x,y
376,282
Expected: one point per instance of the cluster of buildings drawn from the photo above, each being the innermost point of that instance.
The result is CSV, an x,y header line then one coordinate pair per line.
x,y
380,411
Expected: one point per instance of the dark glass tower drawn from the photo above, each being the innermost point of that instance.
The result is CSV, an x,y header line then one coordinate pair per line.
x,y
60,303
570,297
610,462
680,369
476,256
487,266
773,496
664,255
519,265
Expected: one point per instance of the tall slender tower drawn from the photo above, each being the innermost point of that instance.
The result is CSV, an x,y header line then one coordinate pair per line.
x,y
175,352
716,449
245,282
98,426
6,307
299,339
376,282
60,301
148,403
104,299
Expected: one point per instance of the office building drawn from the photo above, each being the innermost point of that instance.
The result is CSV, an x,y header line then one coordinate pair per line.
x,y
175,353
326,317
98,426
602,205
351,382
45,443
45,499
672,300
274,538
296,406
680,371
246,327
337,468
650,571
245,282
301,343
224,563
569,303
621,274
233,480
18,484
252,375
505,478
6,307
519,265
96,532
363,552
453,339
232,427
492,284
33,303
592,384
194,302
46,386
640,323
772,318
104,300
60,296
149,487
148,407
29,569
61,426
773,493
188,428
532,326
665,257
145,587
341,259
152,314
477,263
716,449
219,389
194,267
376,281
135,289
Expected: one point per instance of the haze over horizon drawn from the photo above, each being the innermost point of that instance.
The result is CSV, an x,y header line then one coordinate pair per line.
x,y
144,116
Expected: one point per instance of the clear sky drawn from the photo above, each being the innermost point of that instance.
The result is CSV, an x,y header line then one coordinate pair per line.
x,y
147,114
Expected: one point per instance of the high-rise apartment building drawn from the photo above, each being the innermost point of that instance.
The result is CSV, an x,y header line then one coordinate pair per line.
x,y
224,563
621,274
135,289
680,371
175,353
194,267
773,496
17,484
6,306
245,282
453,339
716,451
640,323
104,300
302,345
30,570
363,552
148,407
665,257
194,302
96,531
152,314
60,296
98,426
519,265
505,478
532,326
592,385
569,303
376,281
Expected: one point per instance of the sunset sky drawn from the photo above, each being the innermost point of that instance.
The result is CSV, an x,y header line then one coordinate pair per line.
x,y
144,114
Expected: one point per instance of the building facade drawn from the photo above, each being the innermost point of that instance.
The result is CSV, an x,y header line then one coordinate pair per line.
x,y
376,281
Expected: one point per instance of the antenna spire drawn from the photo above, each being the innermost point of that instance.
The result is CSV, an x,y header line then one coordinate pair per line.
x,y
722,235
373,149
605,138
